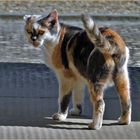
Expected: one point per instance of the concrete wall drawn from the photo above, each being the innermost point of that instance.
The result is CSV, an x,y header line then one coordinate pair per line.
x,y
28,94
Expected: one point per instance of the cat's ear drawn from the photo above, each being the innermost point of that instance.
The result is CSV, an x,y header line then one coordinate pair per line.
x,y
27,17
53,17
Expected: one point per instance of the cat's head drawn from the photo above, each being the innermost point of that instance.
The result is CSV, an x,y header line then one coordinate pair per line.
x,y
40,29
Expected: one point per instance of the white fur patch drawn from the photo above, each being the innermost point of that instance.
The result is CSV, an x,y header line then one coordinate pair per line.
x,y
26,17
37,17
59,117
127,55
62,117
126,62
91,28
36,26
90,23
52,39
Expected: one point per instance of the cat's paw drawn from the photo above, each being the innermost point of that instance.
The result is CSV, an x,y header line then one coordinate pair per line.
x,y
124,120
93,126
59,117
75,112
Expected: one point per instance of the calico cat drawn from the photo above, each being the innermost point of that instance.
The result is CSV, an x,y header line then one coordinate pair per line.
x,y
92,56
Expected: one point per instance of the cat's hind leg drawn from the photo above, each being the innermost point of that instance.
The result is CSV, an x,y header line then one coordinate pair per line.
x,y
96,96
121,81
78,96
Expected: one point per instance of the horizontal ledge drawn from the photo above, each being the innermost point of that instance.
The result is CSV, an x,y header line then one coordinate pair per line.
x,y
78,16
55,97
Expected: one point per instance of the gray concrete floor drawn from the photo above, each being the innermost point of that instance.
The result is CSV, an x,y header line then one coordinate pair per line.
x,y
71,129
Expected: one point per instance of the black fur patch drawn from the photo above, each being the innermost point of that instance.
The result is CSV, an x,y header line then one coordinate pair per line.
x,y
126,107
79,108
33,35
70,32
65,102
97,68
82,49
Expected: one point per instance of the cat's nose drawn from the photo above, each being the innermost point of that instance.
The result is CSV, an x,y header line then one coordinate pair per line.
x,y
34,38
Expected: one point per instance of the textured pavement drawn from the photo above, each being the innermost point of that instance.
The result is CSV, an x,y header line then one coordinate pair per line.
x,y
71,129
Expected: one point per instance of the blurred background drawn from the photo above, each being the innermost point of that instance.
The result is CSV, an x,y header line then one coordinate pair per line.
x,y
29,89
70,6
122,15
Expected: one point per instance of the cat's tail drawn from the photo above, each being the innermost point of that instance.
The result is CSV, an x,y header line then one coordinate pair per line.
x,y
94,33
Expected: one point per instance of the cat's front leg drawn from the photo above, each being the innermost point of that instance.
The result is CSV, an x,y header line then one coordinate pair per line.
x,y
63,101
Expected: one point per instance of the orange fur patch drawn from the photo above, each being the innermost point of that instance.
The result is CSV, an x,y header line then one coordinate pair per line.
x,y
29,25
56,57
108,59
123,92
116,38
68,73
95,97
122,87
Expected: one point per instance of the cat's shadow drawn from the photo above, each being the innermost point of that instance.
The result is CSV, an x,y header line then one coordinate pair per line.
x,y
74,123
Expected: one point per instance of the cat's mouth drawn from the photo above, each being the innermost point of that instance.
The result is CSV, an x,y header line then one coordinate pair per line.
x,y
36,43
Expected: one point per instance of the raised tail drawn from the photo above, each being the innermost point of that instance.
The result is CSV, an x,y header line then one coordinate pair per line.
x,y
94,33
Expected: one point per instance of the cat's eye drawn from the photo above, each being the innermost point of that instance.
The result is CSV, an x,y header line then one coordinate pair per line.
x,y
41,32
